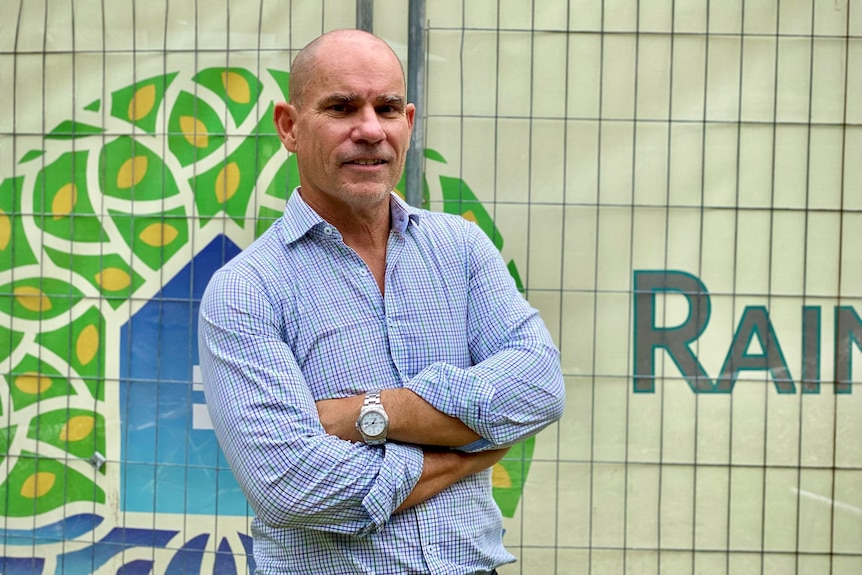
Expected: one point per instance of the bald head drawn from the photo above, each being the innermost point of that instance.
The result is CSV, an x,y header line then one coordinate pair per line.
x,y
306,62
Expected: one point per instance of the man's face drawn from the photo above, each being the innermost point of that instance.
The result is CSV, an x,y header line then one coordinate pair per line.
x,y
352,128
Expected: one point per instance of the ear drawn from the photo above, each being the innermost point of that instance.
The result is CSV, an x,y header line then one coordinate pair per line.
x,y
410,111
284,118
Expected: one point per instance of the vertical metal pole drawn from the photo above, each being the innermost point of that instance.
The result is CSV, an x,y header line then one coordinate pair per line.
x,y
416,94
365,15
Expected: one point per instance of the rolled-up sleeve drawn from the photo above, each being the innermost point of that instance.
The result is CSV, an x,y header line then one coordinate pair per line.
x,y
264,416
514,388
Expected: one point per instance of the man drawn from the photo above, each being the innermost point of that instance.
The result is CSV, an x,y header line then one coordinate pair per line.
x,y
366,363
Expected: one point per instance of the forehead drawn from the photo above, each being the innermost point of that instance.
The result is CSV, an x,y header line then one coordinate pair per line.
x,y
368,69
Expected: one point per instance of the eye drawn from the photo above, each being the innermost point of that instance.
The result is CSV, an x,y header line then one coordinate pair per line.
x,y
388,110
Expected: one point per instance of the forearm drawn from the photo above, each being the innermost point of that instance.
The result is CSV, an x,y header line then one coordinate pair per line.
x,y
506,398
323,483
444,468
414,420
411,420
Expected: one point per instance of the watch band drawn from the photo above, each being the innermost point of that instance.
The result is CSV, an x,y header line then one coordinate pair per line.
x,y
372,398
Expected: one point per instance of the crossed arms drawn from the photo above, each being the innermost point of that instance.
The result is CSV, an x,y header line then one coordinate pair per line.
x,y
298,457
413,420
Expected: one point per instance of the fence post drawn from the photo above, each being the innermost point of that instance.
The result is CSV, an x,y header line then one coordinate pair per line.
x,y
416,94
365,15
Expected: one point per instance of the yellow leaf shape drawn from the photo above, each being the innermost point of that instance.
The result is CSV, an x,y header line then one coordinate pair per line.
x,y
113,279
38,484
132,172
194,131
77,428
32,298
87,345
236,87
470,216
64,201
32,382
5,230
158,235
227,182
142,102
500,477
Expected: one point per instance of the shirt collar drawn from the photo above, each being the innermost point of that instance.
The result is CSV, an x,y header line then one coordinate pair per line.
x,y
401,213
300,218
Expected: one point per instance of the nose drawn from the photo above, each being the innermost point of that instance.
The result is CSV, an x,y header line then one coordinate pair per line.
x,y
368,128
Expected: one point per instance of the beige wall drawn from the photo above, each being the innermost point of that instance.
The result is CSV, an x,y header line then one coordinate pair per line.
x,y
720,142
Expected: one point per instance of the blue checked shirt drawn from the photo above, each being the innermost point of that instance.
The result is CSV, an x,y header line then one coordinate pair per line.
x,y
298,317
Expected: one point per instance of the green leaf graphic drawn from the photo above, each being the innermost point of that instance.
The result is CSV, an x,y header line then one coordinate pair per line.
x,y
286,179
195,129
34,380
434,155
15,250
70,130
79,431
130,171
265,218
139,103
83,343
38,298
154,238
37,485
6,435
228,186
10,340
108,273
32,155
508,476
459,199
238,87
513,271
61,200
283,80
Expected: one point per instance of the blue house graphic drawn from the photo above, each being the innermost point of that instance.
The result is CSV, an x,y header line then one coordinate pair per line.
x,y
171,462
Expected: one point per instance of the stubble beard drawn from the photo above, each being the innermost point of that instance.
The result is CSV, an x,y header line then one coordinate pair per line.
x,y
364,195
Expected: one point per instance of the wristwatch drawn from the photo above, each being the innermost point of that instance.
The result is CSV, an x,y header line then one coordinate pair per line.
x,y
373,423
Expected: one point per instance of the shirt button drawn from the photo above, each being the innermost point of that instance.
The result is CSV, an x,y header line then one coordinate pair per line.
x,y
431,549
327,230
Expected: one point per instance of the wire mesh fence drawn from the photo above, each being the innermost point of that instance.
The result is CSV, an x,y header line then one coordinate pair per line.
x,y
676,186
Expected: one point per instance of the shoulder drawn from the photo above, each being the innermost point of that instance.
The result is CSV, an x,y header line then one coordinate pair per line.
x,y
440,224
260,266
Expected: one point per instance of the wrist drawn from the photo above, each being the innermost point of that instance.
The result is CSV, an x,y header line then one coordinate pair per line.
x,y
373,420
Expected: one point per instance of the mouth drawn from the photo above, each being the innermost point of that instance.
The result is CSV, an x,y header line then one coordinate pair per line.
x,y
366,162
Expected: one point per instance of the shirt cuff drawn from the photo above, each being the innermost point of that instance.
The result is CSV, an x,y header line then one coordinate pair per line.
x,y
398,474
456,392
477,445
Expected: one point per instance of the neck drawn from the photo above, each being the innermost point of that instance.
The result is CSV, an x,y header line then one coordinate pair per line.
x,y
362,225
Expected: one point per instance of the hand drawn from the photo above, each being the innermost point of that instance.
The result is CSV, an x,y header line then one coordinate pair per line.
x,y
443,468
338,416
483,459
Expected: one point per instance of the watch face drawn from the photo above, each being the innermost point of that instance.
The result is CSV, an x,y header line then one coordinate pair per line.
x,y
373,424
